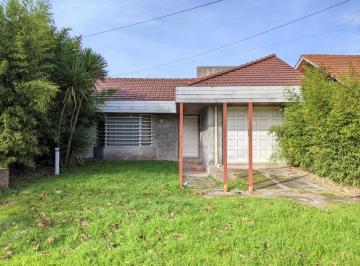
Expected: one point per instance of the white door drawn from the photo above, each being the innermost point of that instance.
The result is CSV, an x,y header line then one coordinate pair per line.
x,y
264,143
191,136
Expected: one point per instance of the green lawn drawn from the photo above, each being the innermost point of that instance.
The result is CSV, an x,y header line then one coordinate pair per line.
x,y
111,213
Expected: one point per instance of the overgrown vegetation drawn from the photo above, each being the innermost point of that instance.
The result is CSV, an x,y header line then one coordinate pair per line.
x,y
26,92
46,80
321,131
118,213
76,75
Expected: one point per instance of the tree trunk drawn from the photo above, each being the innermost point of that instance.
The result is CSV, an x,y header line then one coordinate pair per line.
x,y
72,130
66,157
59,128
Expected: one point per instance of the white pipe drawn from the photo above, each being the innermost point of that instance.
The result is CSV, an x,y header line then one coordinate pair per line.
x,y
57,161
216,136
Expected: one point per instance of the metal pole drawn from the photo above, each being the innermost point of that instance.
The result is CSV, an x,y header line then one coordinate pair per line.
x,y
181,136
250,147
225,164
57,161
216,137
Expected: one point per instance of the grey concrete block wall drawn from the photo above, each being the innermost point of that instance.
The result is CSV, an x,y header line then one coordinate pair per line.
x,y
209,70
219,133
202,137
129,153
166,136
89,152
164,145
4,177
207,135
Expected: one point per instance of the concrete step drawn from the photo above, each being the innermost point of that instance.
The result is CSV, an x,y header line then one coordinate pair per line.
x,y
193,165
196,169
192,160
200,182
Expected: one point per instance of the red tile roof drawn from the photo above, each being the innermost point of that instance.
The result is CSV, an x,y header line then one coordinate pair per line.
x,y
266,71
142,89
336,65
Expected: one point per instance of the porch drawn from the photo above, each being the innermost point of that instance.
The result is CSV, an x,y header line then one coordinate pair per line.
x,y
229,128
221,136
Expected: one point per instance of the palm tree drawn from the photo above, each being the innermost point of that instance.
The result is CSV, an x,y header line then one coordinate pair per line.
x,y
77,75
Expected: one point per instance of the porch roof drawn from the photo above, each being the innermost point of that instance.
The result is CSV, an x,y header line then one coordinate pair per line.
x,y
264,80
235,94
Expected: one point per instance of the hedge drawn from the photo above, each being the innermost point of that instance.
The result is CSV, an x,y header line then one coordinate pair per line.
x,y
321,129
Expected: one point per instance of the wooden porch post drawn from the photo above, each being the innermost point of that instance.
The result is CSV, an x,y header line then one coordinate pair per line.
x,y
181,128
250,163
225,147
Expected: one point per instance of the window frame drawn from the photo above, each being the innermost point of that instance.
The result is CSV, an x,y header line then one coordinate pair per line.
x,y
128,130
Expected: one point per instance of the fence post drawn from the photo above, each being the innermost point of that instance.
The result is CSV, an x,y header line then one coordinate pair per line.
x,y
57,161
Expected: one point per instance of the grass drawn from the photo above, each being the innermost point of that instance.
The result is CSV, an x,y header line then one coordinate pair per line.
x,y
237,183
111,213
241,181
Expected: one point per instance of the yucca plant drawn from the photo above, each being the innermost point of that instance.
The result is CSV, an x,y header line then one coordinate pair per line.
x,y
77,74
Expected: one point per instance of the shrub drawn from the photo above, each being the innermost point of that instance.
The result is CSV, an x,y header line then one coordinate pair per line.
x,y
321,131
26,93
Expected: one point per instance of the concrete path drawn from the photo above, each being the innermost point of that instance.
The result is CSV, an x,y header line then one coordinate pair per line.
x,y
298,185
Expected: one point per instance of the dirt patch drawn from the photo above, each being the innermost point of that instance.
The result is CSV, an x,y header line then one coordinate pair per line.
x,y
7,203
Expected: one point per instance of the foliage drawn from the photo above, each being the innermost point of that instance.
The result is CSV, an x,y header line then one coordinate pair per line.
x,y
77,75
118,213
46,82
321,131
26,54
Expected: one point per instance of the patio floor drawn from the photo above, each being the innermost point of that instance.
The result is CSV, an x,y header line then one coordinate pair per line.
x,y
292,183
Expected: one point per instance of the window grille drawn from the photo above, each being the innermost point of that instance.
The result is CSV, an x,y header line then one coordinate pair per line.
x,y
121,130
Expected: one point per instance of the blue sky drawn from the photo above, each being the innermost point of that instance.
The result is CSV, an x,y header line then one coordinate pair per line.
x,y
336,31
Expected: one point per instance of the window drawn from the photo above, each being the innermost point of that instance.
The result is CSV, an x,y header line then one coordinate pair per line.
x,y
127,130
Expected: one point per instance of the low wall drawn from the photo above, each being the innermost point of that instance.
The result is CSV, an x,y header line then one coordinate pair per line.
x,y
4,177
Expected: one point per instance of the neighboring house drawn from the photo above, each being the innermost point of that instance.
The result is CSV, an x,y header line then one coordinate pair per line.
x,y
221,118
336,65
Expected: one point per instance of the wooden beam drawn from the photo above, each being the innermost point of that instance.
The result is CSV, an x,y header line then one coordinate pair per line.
x,y
225,147
250,147
181,134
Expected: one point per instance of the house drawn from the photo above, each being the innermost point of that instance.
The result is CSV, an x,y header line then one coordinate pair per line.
x,y
335,65
222,117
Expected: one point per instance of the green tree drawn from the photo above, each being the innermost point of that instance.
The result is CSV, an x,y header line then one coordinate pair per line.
x,y
47,81
26,58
